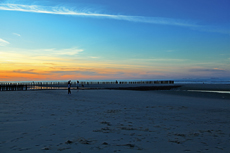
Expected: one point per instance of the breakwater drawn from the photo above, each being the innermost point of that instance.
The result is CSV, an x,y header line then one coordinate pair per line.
x,y
12,87
82,84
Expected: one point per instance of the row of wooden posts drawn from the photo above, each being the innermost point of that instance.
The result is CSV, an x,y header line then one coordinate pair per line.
x,y
24,86
13,87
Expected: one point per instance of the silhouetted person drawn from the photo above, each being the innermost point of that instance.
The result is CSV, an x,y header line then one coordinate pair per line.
x,y
77,85
69,85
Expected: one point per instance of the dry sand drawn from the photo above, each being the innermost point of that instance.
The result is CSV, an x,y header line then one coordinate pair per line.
x,y
113,121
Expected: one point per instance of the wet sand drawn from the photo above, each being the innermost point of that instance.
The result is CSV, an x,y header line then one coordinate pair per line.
x,y
212,87
114,121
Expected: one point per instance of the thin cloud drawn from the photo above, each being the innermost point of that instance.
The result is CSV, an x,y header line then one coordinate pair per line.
x,y
76,72
67,11
213,29
57,10
26,72
39,55
69,51
16,34
3,42
58,52
49,63
207,70
94,57
161,60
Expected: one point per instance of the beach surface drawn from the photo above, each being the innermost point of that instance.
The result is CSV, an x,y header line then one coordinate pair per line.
x,y
114,121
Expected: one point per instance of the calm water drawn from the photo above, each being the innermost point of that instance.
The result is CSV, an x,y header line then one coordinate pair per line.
x,y
225,92
201,81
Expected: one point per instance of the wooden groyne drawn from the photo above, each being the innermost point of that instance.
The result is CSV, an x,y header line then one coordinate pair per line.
x,y
13,87
145,88
64,84
130,82
87,84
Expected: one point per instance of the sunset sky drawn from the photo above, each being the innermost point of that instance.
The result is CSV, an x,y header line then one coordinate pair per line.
x,y
114,39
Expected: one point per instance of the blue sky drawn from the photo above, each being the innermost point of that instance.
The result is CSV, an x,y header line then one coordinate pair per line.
x,y
105,39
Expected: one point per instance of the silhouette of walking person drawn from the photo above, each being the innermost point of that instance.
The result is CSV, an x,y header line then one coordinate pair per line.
x,y
69,85
77,85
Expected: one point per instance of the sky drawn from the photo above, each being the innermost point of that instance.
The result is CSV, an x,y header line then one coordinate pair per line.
x,y
108,39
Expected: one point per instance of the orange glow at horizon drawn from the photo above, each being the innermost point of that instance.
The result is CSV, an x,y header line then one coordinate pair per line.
x,y
29,67
83,73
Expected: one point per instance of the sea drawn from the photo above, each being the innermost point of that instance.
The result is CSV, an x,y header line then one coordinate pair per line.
x,y
202,81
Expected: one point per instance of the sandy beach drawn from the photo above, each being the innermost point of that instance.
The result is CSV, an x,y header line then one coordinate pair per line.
x,y
114,121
